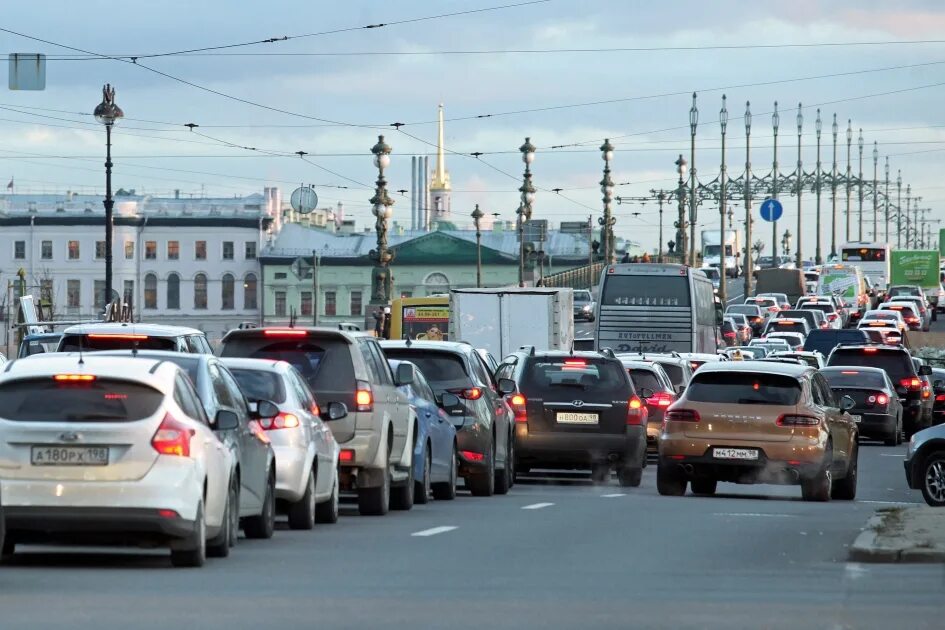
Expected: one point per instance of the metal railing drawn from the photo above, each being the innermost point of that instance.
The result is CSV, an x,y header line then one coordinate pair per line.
x,y
585,277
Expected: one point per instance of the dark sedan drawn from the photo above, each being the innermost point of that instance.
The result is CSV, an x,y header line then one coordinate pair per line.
x,y
877,410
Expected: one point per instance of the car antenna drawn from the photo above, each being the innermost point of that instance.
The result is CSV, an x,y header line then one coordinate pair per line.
x,y
572,347
408,342
81,361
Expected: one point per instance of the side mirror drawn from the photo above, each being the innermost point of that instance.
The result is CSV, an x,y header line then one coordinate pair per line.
x,y
266,409
925,370
506,386
646,392
847,403
337,411
404,374
226,420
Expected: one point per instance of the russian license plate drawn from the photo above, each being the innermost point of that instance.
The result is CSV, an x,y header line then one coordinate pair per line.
x,y
734,453
570,417
69,456
857,418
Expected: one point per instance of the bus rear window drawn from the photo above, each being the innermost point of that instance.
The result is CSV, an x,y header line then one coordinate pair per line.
x,y
620,290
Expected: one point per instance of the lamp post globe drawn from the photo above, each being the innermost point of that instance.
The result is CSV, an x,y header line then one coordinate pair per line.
x,y
108,113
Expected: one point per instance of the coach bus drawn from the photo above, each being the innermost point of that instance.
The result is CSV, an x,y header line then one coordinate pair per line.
x,y
871,258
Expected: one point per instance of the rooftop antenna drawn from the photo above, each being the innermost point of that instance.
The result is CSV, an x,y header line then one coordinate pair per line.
x,y
81,361
408,342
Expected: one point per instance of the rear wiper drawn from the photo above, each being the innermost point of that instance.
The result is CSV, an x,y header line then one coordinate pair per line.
x,y
753,401
93,416
571,385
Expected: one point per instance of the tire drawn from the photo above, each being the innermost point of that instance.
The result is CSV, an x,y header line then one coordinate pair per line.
x,y
670,483
600,474
302,512
401,497
629,477
9,548
192,551
327,511
220,546
512,462
446,490
896,438
421,491
817,487
845,489
262,525
376,501
503,477
933,479
483,484
704,486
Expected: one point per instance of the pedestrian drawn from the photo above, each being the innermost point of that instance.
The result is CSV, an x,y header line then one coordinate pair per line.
x,y
378,322
385,330
646,257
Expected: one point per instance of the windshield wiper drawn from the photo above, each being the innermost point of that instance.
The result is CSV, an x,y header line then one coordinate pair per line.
x,y
753,401
570,385
93,416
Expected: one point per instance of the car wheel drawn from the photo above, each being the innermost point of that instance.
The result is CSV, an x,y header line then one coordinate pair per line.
x,y
219,547
704,485
511,462
933,479
818,486
192,551
483,484
503,477
600,473
376,501
896,438
263,524
9,548
302,512
670,482
629,477
421,493
845,489
402,496
446,490
327,511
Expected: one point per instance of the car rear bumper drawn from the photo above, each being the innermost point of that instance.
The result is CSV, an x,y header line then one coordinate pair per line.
x,y
875,424
474,438
93,524
292,467
765,469
567,448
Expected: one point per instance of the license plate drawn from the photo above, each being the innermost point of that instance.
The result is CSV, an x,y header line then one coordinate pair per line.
x,y
734,453
569,417
69,456
857,418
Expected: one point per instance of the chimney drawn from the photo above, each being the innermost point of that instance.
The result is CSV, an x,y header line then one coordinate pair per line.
x,y
177,193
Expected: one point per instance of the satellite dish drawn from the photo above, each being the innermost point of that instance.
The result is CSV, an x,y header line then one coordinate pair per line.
x,y
303,200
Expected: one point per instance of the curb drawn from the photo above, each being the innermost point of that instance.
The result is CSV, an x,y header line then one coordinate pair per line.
x,y
874,545
865,549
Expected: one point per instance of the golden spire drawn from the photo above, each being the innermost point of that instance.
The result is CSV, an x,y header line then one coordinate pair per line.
x,y
441,179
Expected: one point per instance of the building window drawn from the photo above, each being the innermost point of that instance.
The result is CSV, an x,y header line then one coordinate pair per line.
x,y
99,250
128,295
150,250
280,303
173,291
19,250
46,250
150,291
46,291
249,291
200,291
200,250
73,248
227,292
406,294
173,250
98,290
73,293
306,303
227,250
355,302
250,250
331,305
129,250
280,275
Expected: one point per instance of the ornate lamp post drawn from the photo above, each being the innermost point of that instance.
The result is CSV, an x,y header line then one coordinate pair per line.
x,y
108,113
748,220
607,188
833,192
382,280
800,185
875,192
723,268
524,211
693,205
818,127
786,242
775,122
859,144
661,197
476,216
682,233
849,174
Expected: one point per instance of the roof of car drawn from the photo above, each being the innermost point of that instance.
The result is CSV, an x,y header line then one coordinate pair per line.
x,y
772,367
659,358
300,331
640,365
876,346
141,369
255,364
152,330
445,346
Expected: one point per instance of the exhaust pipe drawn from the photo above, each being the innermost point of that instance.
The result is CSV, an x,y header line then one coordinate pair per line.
x,y
687,468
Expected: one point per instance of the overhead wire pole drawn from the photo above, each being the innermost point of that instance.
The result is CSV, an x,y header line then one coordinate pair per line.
x,y
833,191
859,143
723,267
747,266
818,127
693,208
775,121
899,209
875,192
849,180
800,186
886,196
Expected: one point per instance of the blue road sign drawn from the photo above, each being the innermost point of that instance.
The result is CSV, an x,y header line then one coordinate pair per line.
x,y
771,210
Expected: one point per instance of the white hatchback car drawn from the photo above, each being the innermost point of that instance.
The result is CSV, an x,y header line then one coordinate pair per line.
x,y
112,450
306,451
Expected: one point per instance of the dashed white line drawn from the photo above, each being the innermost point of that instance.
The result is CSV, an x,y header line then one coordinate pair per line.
x,y
755,514
890,502
536,506
899,455
613,495
433,531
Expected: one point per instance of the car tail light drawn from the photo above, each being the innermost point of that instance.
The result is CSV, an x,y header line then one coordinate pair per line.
x,y
911,383
285,332
682,415
636,412
125,336
729,335
792,420
518,404
364,397
870,350
346,455
473,456
469,393
878,399
315,411
757,320
168,514
660,399
773,309
832,317
172,437
940,398
926,393
282,421
74,378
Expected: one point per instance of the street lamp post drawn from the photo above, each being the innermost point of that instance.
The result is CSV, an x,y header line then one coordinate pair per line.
x,y
887,199
786,242
748,259
875,191
382,285
524,211
108,113
849,174
693,205
661,197
899,209
818,127
833,191
607,188
775,122
682,234
477,216
859,143
800,185
723,267
908,205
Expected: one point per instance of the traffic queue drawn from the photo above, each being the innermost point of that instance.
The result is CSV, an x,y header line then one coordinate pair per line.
x,y
140,434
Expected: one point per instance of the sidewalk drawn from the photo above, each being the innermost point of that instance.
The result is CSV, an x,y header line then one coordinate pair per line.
x,y
902,534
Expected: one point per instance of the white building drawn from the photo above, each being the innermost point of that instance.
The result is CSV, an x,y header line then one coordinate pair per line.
x,y
190,262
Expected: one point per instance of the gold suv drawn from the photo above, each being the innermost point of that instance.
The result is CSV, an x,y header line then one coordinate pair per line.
x,y
755,422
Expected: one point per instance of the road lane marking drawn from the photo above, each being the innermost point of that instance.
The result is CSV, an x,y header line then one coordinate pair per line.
x,y
755,514
433,531
890,502
899,455
537,506
613,495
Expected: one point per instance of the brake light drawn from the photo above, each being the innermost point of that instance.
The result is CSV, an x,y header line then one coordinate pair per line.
x,y
518,404
346,455
74,378
473,456
729,335
575,362
469,393
911,383
364,397
282,421
791,420
285,332
912,320
832,317
660,399
757,319
870,350
126,336
682,415
636,412
172,437
168,514
849,372
940,398
878,399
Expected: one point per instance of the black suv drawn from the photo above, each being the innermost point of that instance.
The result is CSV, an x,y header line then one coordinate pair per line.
x,y
910,381
574,411
484,441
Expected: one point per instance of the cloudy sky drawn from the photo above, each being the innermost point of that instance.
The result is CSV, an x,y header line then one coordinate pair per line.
x,y
597,75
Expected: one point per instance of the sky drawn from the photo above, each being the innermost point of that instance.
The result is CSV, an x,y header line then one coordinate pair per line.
x,y
597,77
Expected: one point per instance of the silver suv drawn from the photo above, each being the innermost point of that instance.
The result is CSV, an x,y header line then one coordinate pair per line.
x,y
125,336
377,436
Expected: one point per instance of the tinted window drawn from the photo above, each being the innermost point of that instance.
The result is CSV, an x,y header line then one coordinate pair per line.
x,y
827,340
220,391
646,291
260,384
187,400
380,363
308,356
823,308
582,296
744,388
561,375
854,378
92,343
101,400
187,364
895,363
674,372
645,378
444,370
